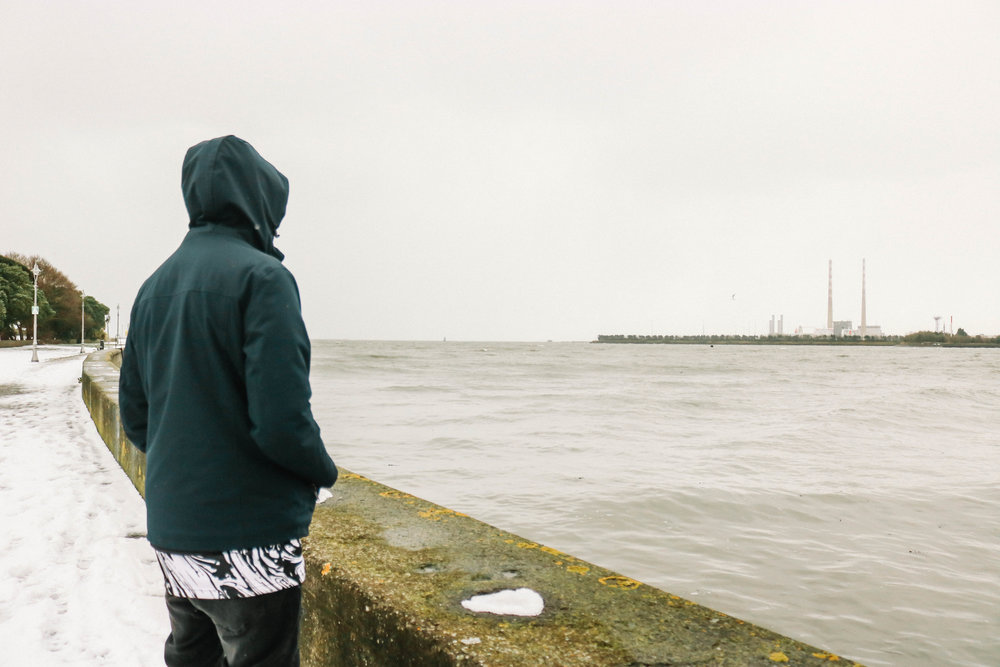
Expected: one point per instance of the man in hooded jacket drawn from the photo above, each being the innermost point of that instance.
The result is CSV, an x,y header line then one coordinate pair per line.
x,y
215,390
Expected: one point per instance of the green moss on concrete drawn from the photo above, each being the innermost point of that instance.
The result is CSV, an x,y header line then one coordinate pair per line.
x,y
100,394
387,573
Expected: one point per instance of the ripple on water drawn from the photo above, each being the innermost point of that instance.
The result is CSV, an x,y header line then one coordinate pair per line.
x,y
847,499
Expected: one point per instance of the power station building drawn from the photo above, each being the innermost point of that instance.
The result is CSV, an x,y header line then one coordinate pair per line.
x,y
841,328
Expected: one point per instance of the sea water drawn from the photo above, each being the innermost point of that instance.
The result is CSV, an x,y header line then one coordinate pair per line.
x,y
847,497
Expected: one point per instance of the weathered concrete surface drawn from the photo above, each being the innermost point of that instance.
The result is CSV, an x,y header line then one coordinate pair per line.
x,y
100,393
387,573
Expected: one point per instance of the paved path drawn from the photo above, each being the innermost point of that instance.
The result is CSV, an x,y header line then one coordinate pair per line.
x,y
78,583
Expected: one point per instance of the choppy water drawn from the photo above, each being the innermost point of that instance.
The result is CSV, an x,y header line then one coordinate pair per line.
x,y
846,497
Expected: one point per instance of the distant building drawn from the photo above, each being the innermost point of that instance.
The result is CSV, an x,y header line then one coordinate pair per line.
x,y
873,331
843,328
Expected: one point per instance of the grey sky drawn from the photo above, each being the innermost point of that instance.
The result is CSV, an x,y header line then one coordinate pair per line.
x,y
529,170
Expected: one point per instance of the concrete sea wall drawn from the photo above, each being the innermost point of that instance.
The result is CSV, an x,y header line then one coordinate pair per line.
x,y
387,574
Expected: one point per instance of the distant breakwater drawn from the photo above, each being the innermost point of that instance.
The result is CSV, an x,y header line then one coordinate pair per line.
x,y
919,340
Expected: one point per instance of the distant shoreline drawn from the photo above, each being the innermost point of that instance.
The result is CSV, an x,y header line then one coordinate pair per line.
x,y
913,340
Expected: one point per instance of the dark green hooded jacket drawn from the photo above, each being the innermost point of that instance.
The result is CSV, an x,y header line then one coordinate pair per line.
x,y
215,375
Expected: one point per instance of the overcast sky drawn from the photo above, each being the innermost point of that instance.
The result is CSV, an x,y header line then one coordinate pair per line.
x,y
529,170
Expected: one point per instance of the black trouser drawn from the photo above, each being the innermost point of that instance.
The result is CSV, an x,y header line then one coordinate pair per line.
x,y
262,631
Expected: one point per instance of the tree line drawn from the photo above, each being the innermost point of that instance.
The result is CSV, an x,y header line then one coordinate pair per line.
x,y
958,339
777,339
59,302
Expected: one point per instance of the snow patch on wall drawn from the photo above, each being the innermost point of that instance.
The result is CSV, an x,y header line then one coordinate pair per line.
x,y
520,602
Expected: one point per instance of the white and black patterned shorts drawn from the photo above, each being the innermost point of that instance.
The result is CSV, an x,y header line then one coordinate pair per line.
x,y
239,573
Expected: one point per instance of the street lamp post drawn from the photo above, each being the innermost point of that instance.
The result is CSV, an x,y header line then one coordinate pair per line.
x,y
83,298
34,314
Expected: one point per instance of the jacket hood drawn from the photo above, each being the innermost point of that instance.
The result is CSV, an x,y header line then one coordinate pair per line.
x,y
226,182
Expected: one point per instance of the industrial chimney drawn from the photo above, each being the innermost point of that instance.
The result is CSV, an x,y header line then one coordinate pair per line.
x,y
829,301
864,321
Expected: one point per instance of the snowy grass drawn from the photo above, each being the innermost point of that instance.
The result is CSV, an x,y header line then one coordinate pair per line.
x,y
79,584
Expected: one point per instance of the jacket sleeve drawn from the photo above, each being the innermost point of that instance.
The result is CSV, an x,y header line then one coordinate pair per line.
x,y
276,353
132,402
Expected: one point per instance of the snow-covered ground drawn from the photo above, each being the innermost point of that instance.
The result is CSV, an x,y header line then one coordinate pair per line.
x,y
79,584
